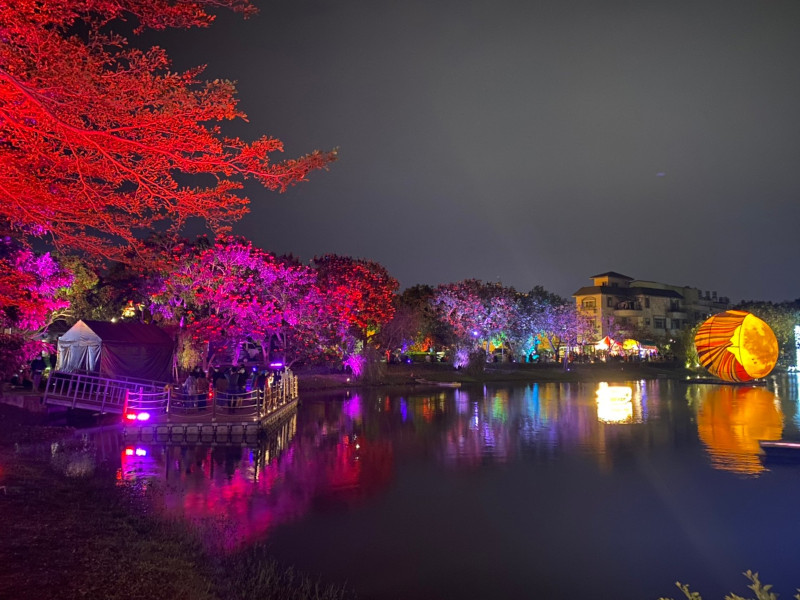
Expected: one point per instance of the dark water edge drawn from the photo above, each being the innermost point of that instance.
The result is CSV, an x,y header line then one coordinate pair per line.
x,y
70,529
499,491
552,502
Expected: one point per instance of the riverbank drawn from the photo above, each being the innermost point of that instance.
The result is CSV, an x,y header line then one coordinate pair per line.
x,y
499,373
71,531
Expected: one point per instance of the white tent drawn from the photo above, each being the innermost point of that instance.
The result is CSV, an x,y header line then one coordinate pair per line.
x,y
116,350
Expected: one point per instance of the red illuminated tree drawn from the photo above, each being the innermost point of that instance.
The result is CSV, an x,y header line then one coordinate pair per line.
x,y
360,292
101,142
359,298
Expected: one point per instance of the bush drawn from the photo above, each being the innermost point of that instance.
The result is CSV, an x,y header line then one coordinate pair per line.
x,y
762,592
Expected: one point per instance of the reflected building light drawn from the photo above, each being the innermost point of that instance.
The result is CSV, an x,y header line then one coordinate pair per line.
x,y
614,403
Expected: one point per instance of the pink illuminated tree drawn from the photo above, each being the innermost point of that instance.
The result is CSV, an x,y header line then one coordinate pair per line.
x,y
224,293
31,292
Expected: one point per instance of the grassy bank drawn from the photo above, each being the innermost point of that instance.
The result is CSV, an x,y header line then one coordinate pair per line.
x,y
70,532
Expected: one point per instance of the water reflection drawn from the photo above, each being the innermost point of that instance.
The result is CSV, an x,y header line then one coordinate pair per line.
x,y
732,419
342,450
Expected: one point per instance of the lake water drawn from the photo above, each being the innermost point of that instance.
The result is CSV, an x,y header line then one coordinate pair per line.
x,y
534,491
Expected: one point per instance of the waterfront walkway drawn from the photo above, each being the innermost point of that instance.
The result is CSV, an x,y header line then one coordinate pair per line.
x,y
159,412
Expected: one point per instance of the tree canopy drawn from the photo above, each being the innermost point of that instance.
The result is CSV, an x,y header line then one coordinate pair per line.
x,y
102,142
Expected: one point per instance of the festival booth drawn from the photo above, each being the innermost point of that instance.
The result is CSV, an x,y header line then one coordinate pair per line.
x,y
628,347
116,350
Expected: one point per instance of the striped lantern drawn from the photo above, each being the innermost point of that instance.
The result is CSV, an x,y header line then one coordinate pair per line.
x,y
736,346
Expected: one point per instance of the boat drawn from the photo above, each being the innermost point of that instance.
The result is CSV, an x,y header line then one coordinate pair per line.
x,y
450,384
780,450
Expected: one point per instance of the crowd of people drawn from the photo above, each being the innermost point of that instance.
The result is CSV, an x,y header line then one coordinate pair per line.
x,y
226,383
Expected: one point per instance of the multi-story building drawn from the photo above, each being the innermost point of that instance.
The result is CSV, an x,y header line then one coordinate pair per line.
x,y
645,308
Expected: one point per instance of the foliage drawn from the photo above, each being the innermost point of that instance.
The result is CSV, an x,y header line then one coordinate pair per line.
x,y
564,325
414,326
29,287
15,350
476,312
359,290
220,294
102,141
359,298
761,591
531,319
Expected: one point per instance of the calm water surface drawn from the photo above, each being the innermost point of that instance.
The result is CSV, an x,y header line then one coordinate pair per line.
x,y
508,492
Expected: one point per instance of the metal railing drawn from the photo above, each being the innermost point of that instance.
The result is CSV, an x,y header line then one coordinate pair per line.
x,y
241,406
80,390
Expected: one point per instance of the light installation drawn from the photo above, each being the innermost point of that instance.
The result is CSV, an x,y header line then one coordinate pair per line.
x,y
797,347
736,346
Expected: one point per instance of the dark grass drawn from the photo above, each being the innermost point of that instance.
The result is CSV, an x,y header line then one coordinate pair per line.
x,y
83,536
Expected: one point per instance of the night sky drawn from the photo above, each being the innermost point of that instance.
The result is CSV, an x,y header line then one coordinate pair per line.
x,y
531,143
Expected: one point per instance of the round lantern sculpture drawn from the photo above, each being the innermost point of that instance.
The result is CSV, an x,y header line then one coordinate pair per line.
x,y
736,346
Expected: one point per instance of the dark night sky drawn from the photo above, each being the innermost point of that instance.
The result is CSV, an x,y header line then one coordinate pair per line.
x,y
534,143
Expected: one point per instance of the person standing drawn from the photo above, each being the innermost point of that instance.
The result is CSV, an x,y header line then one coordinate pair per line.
x,y
202,389
221,389
37,370
190,389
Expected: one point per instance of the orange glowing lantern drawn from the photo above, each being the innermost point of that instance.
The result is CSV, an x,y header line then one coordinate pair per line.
x,y
736,346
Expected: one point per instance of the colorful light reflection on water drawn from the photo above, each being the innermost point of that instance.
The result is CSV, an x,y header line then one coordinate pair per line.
x,y
340,455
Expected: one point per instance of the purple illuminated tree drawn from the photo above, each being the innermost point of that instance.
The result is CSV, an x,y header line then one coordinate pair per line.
x,y
563,326
478,313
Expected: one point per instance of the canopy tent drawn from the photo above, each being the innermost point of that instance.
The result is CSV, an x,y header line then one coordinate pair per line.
x,y
116,350
606,344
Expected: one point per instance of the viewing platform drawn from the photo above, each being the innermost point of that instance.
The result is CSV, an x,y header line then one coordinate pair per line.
x,y
167,417
155,412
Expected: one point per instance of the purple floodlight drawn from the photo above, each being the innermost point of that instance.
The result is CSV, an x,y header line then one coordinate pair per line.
x,y
276,364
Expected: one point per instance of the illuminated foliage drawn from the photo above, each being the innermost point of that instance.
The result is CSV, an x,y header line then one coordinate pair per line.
x,y
477,311
359,291
30,294
563,325
101,142
29,287
414,326
222,293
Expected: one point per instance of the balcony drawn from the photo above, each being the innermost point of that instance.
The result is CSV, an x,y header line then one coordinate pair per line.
x,y
627,309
